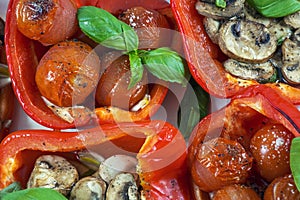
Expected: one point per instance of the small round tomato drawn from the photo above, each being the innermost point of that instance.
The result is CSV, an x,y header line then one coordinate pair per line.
x,y
147,23
235,192
282,188
270,147
220,162
42,20
112,89
68,73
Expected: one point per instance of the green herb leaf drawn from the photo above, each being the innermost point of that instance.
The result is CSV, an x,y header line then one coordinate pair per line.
x,y
295,160
9,189
193,107
275,8
165,64
35,194
104,28
221,3
136,68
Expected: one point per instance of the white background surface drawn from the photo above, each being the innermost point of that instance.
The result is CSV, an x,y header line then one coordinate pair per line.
x,y
22,121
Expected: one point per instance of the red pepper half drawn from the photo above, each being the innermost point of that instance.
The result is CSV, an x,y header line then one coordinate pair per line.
x,y
23,56
161,153
205,58
243,117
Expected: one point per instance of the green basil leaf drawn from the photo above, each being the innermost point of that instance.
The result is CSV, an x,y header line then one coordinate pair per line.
x,y
9,189
221,3
193,107
275,8
136,69
104,28
295,160
165,64
35,194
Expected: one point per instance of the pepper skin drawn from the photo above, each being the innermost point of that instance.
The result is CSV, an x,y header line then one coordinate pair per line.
x,y
23,55
205,58
160,147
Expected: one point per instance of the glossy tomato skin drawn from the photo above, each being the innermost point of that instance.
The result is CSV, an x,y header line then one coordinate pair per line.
x,y
282,188
41,20
112,89
149,26
220,162
68,73
235,192
270,148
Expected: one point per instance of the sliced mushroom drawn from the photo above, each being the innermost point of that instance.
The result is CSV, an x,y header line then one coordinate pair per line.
x,y
291,72
122,187
252,15
290,51
116,164
246,41
261,72
55,172
212,27
209,9
296,36
280,30
88,188
293,20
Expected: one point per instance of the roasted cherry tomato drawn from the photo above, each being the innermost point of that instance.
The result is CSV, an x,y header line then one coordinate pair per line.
x,y
235,192
147,24
112,89
270,148
41,20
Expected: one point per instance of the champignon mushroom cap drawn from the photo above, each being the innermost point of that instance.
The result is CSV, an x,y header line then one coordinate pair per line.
x,y
290,51
212,27
122,187
291,73
246,41
55,172
233,8
88,188
293,20
261,72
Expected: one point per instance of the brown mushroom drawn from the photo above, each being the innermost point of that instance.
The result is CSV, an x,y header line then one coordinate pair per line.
x,y
212,27
293,20
209,9
291,72
246,41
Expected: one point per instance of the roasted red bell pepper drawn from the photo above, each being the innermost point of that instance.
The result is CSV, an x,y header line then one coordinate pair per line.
x,y
242,117
23,55
205,58
160,147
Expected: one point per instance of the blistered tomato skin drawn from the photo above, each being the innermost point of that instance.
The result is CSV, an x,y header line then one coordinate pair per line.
x,y
220,162
235,192
282,188
147,24
48,21
112,89
270,147
68,73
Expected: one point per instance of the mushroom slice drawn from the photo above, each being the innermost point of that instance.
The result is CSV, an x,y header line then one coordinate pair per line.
x,y
280,30
290,51
291,73
233,8
246,41
212,27
116,164
55,172
122,187
261,72
88,188
296,36
252,15
293,20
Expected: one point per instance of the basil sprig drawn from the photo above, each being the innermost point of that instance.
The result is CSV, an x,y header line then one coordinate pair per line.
x,y
14,192
275,8
106,29
295,160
